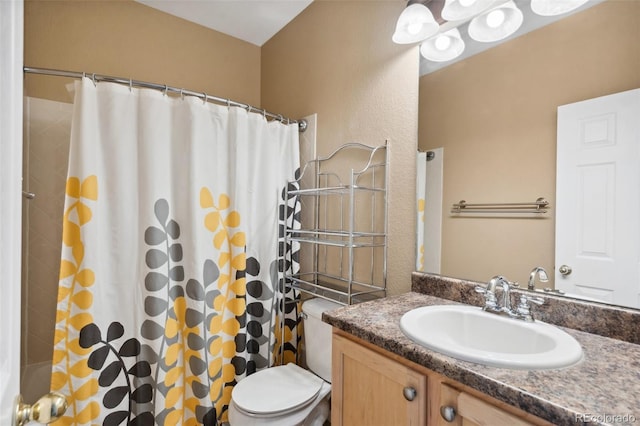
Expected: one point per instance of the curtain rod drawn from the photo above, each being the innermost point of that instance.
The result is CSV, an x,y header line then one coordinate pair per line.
x,y
302,124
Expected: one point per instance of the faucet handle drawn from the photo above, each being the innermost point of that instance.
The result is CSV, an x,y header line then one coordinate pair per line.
x,y
490,300
533,299
524,309
481,290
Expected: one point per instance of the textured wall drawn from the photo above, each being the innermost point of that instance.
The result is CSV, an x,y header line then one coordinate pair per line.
x,y
337,59
126,39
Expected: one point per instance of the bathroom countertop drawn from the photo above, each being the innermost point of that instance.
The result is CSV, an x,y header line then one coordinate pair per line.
x,y
605,384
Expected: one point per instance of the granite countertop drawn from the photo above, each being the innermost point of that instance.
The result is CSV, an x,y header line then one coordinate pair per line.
x,y
605,383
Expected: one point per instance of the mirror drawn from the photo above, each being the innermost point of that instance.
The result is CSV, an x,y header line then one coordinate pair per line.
x,y
495,116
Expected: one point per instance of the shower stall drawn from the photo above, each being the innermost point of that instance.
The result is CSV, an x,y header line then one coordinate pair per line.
x,y
47,130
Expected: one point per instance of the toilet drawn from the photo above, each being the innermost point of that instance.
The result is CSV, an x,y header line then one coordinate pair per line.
x,y
289,395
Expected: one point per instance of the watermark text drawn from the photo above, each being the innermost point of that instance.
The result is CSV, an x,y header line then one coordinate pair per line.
x,y
605,418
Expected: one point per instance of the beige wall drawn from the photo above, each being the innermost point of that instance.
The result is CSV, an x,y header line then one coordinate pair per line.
x,y
495,116
126,39
337,59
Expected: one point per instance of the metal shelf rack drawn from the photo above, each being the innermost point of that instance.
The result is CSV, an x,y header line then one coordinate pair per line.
x,y
343,234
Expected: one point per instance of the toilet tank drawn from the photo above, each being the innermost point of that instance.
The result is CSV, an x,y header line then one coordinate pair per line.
x,y
317,336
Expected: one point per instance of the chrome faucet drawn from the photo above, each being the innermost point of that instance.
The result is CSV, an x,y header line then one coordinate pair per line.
x,y
541,273
521,312
491,302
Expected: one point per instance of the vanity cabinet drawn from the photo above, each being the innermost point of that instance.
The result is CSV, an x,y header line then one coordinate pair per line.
x,y
372,387
469,410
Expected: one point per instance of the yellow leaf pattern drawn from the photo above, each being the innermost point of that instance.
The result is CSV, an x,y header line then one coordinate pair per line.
x,y
70,371
205,333
229,241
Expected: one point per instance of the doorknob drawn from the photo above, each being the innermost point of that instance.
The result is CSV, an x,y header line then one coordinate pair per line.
x,y
565,270
46,410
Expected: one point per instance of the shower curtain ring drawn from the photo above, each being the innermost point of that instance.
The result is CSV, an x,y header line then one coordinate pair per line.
x,y
130,85
249,108
281,118
166,89
204,100
182,93
93,78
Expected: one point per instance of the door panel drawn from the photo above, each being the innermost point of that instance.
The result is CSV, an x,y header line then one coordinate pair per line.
x,y
370,389
11,45
598,202
471,411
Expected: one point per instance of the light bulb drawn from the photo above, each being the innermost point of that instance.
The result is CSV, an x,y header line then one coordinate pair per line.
x,y
466,3
415,23
414,28
497,24
444,47
442,42
495,18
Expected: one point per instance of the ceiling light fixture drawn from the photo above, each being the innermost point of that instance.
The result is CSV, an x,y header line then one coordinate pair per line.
x,y
443,47
555,7
416,23
484,21
496,24
458,10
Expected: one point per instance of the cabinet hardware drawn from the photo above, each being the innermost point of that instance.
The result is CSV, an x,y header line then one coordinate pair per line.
x,y
448,413
409,393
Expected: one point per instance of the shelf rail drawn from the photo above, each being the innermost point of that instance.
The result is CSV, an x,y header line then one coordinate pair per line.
x,y
539,206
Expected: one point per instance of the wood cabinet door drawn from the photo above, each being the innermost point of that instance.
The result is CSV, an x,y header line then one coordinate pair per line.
x,y
472,411
369,389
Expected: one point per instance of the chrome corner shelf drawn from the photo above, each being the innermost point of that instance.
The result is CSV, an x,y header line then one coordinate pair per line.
x,y
343,236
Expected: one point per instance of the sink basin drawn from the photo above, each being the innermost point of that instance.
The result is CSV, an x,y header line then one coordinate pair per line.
x,y
471,334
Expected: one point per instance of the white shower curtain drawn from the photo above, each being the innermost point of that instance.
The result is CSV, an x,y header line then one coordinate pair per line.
x,y
421,195
429,185
170,256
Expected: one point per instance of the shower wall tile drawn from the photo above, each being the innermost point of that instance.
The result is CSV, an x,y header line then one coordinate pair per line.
x,y
46,149
41,248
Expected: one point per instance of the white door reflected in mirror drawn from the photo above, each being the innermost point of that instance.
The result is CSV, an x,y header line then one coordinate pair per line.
x,y
598,203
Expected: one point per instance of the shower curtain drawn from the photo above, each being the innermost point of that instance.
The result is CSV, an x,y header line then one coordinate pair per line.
x,y
172,256
421,195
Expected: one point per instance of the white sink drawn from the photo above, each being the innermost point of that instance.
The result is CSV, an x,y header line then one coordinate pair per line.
x,y
470,334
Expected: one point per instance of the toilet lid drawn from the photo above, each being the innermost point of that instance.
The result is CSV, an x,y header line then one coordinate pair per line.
x,y
276,389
